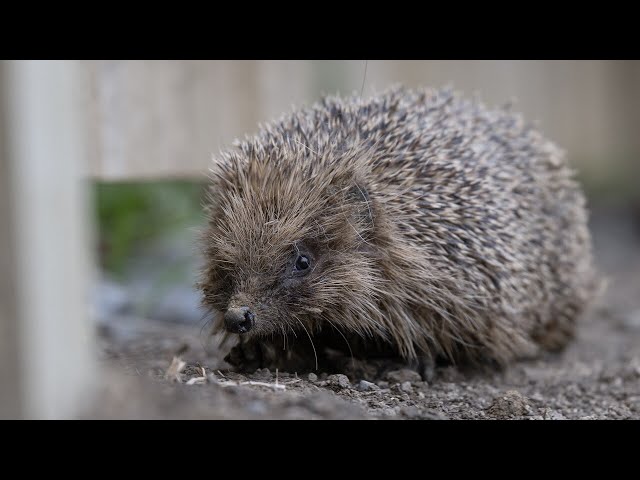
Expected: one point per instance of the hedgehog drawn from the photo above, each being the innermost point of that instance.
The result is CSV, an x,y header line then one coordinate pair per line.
x,y
416,224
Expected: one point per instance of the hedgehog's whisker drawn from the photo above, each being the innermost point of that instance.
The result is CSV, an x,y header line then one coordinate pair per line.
x,y
284,337
353,361
208,319
315,354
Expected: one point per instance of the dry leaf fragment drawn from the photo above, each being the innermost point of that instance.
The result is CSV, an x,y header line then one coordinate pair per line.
x,y
173,372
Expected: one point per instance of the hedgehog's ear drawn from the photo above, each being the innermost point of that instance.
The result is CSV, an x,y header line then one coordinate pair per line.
x,y
361,210
359,195
356,196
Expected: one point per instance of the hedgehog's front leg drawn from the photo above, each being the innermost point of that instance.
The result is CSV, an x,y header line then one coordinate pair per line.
x,y
249,355
426,367
245,356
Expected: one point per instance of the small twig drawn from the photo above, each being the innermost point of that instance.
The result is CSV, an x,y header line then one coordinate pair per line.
x,y
173,372
195,380
275,386
229,383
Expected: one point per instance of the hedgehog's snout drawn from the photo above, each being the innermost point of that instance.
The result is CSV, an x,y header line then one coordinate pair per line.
x,y
239,320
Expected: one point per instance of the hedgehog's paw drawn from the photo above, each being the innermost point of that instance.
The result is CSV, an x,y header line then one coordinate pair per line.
x,y
355,368
249,355
245,356
425,365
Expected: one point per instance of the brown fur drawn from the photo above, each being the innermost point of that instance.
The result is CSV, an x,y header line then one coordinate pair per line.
x,y
434,224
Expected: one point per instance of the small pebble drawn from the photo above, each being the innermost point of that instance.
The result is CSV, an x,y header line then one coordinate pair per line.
x,y
403,375
406,387
509,405
339,380
365,386
313,377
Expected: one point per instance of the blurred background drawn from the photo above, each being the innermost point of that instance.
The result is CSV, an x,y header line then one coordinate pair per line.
x,y
142,134
156,124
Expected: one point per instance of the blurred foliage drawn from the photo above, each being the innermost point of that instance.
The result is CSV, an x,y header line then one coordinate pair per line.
x,y
610,180
131,215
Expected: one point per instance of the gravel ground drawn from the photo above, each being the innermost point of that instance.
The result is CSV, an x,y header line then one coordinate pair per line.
x,y
161,370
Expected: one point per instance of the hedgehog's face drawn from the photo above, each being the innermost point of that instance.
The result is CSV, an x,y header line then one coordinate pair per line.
x,y
270,294
285,256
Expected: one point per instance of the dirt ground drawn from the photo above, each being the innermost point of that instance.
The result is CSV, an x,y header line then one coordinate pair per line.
x,y
597,377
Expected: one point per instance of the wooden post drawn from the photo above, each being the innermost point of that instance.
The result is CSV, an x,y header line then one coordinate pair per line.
x,y
46,338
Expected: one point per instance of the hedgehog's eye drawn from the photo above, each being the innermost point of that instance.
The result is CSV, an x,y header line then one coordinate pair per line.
x,y
302,263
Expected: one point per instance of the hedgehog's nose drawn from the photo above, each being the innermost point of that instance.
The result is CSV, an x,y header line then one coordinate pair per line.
x,y
239,320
